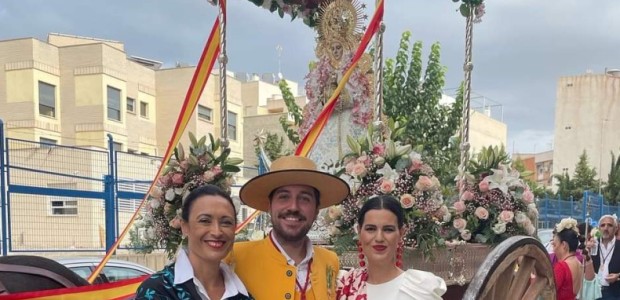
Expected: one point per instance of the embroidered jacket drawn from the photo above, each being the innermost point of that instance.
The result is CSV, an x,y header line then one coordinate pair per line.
x,y
267,275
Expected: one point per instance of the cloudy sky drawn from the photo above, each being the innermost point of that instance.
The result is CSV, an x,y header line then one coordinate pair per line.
x,y
520,49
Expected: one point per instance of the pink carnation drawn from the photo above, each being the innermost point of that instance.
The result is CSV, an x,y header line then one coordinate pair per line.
x,y
416,165
459,207
484,185
528,197
165,180
379,149
177,179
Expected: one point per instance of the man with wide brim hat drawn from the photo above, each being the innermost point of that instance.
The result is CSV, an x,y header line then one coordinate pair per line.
x,y
286,265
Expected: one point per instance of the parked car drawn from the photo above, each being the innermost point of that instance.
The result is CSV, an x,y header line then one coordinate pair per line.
x,y
114,269
545,236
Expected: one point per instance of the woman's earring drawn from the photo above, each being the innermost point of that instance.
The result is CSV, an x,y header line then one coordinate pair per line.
x,y
361,254
399,254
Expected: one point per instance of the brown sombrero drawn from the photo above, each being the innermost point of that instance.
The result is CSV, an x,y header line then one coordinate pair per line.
x,y
293,170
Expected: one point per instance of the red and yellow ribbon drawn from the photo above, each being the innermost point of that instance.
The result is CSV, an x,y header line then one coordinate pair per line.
x,y
197,85
303,149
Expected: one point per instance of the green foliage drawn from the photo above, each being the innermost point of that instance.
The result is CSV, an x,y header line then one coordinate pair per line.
x,y
273,145
412,96
294,110
612,190
566,186
486,159
584,177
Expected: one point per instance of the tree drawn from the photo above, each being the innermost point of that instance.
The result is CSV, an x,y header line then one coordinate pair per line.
x,y
273,145
293,110
584,177
566,186
612,189
412,96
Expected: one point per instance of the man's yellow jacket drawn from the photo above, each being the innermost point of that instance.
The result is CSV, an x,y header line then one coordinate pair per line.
x,y
267,275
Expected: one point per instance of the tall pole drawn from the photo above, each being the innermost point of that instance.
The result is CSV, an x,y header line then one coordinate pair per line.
x,y
223,60
467,67
378,64
600,159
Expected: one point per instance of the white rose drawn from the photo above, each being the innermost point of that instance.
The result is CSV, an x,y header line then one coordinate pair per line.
x,y
499,228
170,194
530,229
466,235
154,203
521,218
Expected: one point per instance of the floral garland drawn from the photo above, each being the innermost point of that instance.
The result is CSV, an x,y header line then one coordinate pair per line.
x,y
160,225
377,167
307,10
493,208
358,88
479,8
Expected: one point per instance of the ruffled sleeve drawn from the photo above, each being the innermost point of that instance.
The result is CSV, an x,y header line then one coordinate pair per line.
x,y
421,285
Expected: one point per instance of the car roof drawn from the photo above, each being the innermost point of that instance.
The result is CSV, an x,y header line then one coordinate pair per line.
x,y
96,260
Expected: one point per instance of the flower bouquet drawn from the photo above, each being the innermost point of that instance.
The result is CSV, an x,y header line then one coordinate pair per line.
x,y
160,225
496,202
379,166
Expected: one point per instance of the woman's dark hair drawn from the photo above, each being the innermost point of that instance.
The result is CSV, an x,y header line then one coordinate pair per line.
x,y
205,190
382,202
572,238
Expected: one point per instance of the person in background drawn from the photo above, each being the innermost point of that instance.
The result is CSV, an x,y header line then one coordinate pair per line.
x,y
607,259
208,221
380,276
568,271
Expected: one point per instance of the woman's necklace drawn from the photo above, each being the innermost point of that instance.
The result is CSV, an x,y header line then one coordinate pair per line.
x,y
573,255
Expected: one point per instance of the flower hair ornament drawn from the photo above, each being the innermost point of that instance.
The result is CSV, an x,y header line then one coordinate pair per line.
x,y
568,223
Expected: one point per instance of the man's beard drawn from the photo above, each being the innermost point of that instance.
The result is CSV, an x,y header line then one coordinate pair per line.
x,y
286,236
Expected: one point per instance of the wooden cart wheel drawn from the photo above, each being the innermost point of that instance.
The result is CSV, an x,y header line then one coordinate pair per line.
x,y
518,268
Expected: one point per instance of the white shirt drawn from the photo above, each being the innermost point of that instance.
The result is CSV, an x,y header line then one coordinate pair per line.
x,y
183,272
302,268
410,285
605,254
387,290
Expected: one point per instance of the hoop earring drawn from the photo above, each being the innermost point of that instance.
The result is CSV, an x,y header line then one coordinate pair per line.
x,y
360,255
399,254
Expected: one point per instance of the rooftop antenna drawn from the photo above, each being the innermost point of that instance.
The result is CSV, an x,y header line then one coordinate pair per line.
x,y
279,50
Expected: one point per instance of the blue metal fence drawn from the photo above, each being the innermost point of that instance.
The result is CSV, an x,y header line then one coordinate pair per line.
x,y
591,207
63,198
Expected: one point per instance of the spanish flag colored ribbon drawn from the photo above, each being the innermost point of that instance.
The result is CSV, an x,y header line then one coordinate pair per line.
x,y
303,149
124,289
197,85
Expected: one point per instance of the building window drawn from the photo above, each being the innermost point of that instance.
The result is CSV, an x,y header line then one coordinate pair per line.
x,y
144,109
232,125
114,104
47,143
47,100
205,113
132,151
117,147
131,105
62,206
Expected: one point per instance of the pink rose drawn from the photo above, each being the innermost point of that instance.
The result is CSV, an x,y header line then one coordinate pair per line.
x,y
349,167
175,223
165,180
359,170
177,179
424,183
528,197
378,149
364,159
407,201
416,165
217,170
484,185
482,213
460,207
467,195
459,224
506,216
208,176
387,186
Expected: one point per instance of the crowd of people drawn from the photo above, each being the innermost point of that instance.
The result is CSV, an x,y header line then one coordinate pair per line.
x,y
586,266
285,265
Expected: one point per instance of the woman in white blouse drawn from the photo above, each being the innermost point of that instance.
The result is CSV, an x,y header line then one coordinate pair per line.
x,y
381,231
